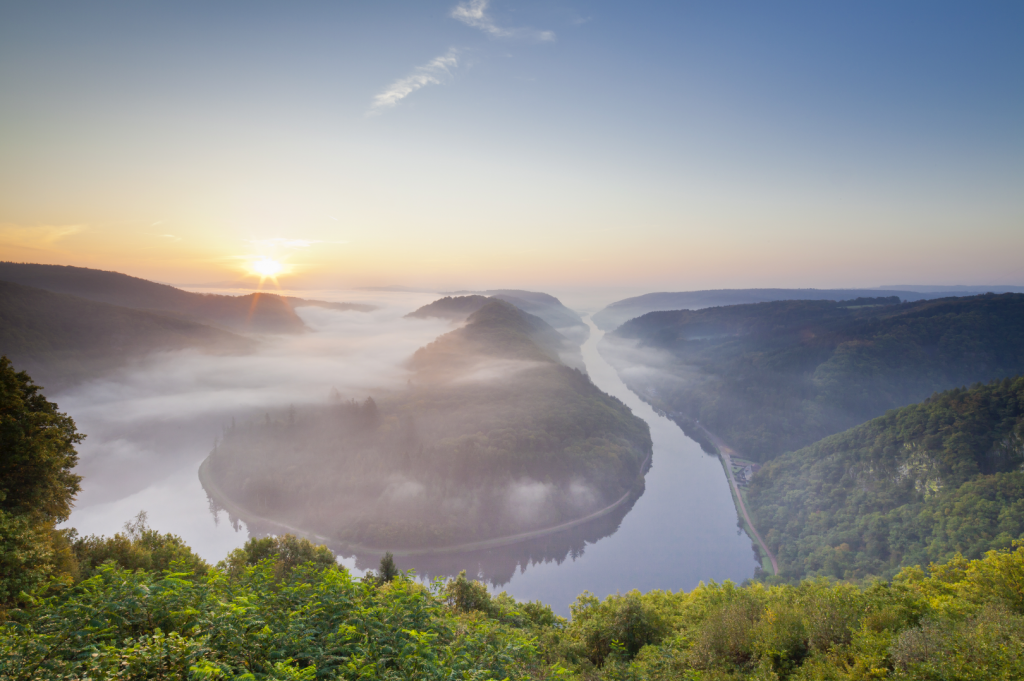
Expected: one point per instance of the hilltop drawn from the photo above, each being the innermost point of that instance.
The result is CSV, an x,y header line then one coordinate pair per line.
x,y
774,377
920,484
62,339
540,331
543,305
256,312
495,437
619,312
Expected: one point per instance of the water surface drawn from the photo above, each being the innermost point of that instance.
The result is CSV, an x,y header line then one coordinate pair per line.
x,y
149,430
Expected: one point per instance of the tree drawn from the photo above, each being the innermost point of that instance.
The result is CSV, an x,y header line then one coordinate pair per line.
x,y
388,571
37,487
37,451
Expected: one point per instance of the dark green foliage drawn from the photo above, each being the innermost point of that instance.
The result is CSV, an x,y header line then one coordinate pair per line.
x,y
37,451
774,377
917,485
627,623
285,553
961,620
37,487
388,571
138,548
312,623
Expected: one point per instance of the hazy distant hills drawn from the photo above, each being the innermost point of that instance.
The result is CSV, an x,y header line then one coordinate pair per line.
x,y
256,312
539,334
617,313
774,377
455,308
915,486
494,437
543,305
61,339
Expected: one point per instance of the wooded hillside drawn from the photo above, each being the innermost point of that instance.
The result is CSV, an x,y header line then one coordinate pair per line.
x,y
917,485
775,377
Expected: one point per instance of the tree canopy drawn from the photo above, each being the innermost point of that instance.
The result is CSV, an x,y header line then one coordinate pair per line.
x,y
37,487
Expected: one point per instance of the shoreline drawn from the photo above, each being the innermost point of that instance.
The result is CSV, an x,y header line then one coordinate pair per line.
x,y
726,452
233,508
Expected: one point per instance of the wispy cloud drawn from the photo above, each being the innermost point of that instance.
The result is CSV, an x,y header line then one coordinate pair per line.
x,y
474,13
433,73
36,236
287,243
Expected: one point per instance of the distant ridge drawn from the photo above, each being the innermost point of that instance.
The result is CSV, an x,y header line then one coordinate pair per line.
x,y
256,312
619,312
562,343
951,289
543,305
61,339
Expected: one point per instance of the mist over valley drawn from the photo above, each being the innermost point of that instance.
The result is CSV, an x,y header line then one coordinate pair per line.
x,y
481,339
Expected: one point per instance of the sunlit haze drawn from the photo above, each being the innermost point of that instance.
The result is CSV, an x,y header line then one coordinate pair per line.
x,y
544,145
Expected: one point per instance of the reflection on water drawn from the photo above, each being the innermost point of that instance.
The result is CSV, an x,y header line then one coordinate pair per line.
x,y
496,566
678,529
150,430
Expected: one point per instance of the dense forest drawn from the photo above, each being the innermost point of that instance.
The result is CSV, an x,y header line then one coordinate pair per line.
x,y
920,484
493,437
774,377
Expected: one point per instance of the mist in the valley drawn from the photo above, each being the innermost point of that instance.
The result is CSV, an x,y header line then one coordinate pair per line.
x,y
492,436
150,425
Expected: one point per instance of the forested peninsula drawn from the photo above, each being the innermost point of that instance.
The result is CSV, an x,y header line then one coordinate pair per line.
x,y
774,377
494,437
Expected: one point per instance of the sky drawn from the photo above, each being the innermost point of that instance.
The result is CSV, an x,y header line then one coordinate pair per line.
x,y
487,143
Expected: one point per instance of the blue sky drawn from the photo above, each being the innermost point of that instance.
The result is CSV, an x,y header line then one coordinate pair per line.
x,y
647,145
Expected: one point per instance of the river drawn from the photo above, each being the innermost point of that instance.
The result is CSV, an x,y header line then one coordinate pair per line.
x,y
151,428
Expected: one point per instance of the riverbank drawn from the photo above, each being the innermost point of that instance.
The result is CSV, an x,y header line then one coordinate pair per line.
x,y
727,453
235,509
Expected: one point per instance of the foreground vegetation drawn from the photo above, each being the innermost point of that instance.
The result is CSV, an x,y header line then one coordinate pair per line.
x,y
918,485
774,377
280,608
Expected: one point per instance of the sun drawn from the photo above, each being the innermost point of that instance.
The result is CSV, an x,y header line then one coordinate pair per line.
x,y
265,267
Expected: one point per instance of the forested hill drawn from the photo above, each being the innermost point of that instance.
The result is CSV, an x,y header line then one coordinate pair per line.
x,y
548,308
774,377
256,312
493,437
496,326
497,329
542,305
622,311
917,485
456,308
62,339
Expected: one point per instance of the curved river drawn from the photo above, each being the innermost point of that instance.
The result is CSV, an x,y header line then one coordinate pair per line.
x,y
681,531
150,430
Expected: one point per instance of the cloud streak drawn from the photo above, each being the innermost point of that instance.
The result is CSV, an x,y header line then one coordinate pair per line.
x,y
434,72
474,13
